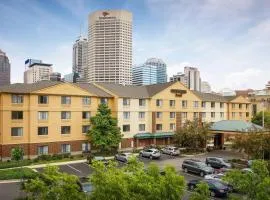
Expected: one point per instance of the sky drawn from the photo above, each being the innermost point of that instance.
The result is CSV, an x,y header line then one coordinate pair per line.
x,y
228,40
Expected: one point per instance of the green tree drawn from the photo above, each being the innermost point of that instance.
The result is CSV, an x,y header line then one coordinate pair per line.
x,y
52,184
133,182
17,153
254,185
257,119
104,133
201,192
193,134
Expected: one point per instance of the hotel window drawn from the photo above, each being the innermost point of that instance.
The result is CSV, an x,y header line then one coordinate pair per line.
x,y
86,147
43,130
247,114
159,102
17,131
141,102
203,104
126,115
141,127
240,106
172,103
212,104
247,106
213,114
65,148
184,115
86,115
141,115
172,115
104,101
65,129
126,128
15,98
65,100
221,105
221,114
233,115
184,103
43,150
43,115
233,106
86,100
16,114
43,99
159,114
196,104
159,127
126,101
195,115
85,129
172,126
65,115
203,115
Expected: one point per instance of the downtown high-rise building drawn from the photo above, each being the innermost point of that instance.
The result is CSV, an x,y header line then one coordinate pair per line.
x,y
79,56
153,71
4,69
110,47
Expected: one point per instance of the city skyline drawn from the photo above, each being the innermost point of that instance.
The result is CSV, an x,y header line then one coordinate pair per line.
x,y
230,49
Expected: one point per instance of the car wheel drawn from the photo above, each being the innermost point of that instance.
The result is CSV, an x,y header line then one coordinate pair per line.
x,y
185,170
201,174
151,157
191,187
212,194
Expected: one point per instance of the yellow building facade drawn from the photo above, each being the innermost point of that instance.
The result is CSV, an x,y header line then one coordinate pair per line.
x,y
53,117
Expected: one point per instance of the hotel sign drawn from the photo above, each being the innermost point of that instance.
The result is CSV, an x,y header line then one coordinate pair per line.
x,y
105,16
178,92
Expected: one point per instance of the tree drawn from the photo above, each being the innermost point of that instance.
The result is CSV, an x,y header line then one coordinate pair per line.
x,y
17,154
255,185
201,192
133,182
52,184
257,119
104,134
193,134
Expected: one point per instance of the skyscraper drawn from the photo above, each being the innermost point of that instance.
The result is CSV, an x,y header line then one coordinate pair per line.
x,y
36,71
4,69
179,77
79,56
193,78
205,87
110,47
153,71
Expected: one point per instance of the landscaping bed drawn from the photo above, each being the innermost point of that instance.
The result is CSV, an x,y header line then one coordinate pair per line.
x,y
18,173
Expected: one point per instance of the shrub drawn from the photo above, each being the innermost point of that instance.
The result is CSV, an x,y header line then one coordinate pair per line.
x,y
45,157
17,173
9,164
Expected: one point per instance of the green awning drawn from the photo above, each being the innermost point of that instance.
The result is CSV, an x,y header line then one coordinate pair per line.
x,y
153,135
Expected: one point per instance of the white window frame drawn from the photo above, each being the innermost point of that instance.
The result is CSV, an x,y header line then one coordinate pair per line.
x,y
126,115
65,100
19,131
43,150
17,99
86,100
67,115
41,115
65,148
140,126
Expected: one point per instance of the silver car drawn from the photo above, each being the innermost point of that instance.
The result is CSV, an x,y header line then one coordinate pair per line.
x,y
173,151
122,157
150,153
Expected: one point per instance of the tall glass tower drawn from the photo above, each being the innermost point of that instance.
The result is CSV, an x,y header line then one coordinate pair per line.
x,y
4,69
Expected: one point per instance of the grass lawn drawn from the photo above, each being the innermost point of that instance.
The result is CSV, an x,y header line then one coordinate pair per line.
x,y
7,174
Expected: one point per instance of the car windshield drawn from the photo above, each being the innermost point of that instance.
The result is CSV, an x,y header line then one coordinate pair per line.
x,y
218,184
202,165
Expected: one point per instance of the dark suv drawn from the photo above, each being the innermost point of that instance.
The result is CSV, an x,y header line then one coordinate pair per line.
x,y
197,167
217,162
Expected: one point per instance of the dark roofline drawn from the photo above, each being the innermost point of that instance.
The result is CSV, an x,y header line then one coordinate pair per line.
x,y
42,64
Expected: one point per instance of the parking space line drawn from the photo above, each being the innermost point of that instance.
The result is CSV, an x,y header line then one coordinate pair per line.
x,y
74,168
86,164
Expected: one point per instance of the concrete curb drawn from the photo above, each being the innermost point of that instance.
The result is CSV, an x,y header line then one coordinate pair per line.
x,y
55,164
193,155
10,181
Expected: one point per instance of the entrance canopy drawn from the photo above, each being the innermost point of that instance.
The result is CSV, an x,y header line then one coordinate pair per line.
x,y
153,135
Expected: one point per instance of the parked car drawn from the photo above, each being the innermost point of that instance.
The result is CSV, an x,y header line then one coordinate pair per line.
x,y
218,177
150,153
247,170
85,185
216,188
173,151
217,162
123,157
196,166
97,158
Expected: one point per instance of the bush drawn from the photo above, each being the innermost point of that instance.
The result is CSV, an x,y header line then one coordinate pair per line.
x,y
45,157
17,173
9,164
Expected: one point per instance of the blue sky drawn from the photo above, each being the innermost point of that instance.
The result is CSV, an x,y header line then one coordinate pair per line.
x,y
228,40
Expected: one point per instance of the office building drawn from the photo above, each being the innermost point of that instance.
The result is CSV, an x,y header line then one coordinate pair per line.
x,y
71,78
55,76
110,47
79,56
144,74
49,117
4,69
37,71
205,87
161,69
179,77
193,78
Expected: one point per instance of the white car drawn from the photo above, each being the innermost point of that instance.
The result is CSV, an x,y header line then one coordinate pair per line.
x,y
123,156
150,153
173,151
214,176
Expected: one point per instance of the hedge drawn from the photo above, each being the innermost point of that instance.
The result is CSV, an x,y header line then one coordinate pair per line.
x,y
18,173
